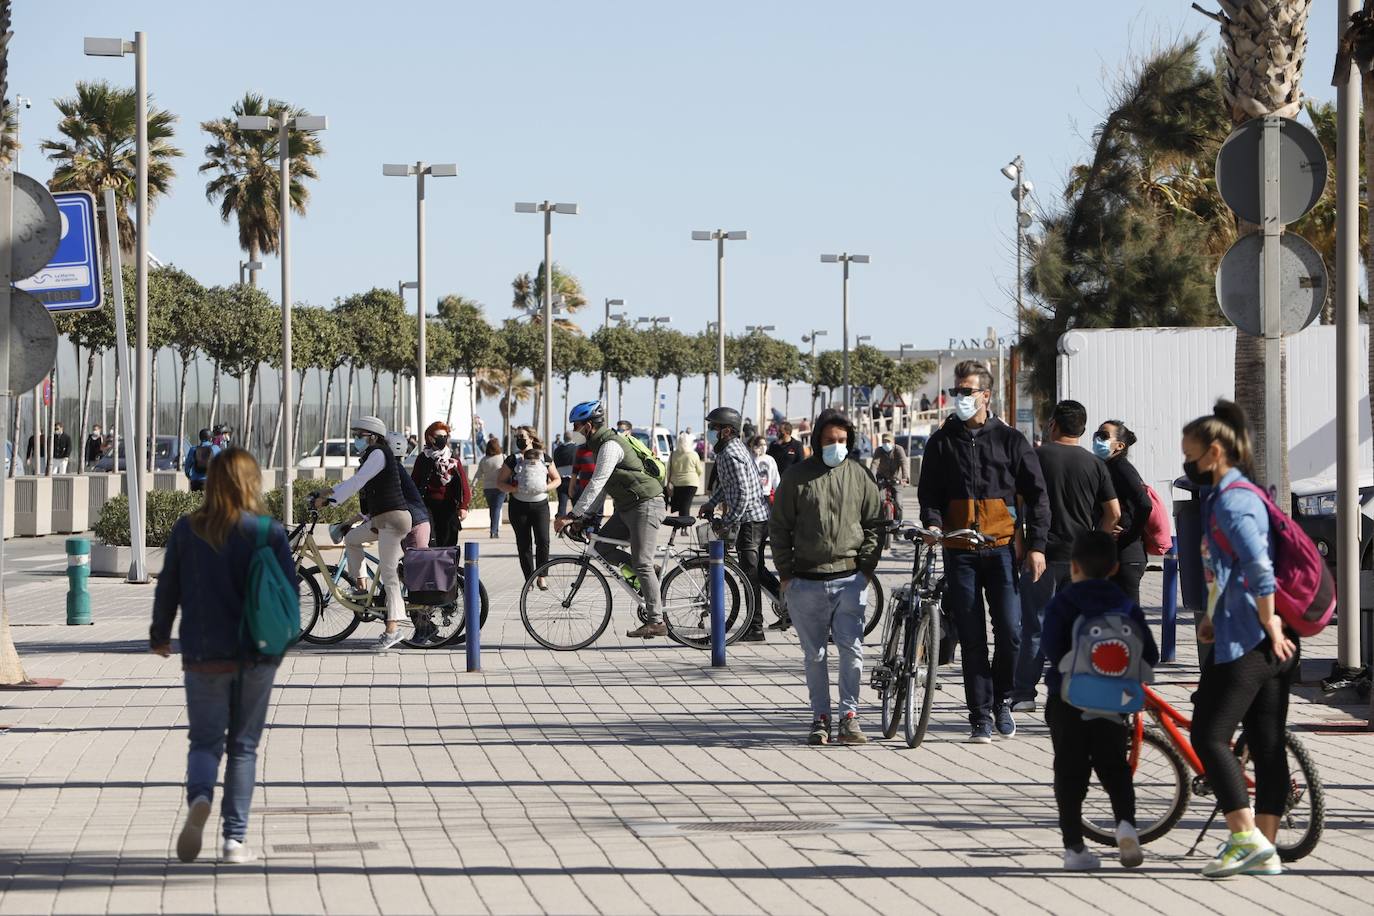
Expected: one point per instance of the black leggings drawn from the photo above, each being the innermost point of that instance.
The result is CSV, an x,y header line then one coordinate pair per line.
x,y
1128,579
681,500
1082,746
1250,691
531,524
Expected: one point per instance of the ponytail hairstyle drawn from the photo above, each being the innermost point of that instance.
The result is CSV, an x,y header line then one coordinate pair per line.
x,y
1225,424
1123,435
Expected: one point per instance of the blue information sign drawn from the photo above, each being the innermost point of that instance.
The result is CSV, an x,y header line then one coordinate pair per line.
x,y
71,281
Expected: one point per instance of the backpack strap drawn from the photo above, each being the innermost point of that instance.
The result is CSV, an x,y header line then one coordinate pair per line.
x,y
264,526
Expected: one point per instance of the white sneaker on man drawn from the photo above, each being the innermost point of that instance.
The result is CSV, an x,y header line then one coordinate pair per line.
x,y
1081,860
233,852
188,843
1128,844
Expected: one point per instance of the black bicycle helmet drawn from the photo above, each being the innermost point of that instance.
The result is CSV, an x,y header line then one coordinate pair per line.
x,y
724,416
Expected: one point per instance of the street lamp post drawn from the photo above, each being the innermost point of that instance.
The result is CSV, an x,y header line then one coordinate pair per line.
x,y
20,103
901,358
811,339
246,269
401,287
720,236
548,209
846,259
1016,171
601,392
420,170
284,126
118,47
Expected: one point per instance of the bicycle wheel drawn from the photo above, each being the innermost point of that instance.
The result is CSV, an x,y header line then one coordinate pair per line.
x,y
459,636
686,594
312,600
873,611
573,611
923,658
1162,788
894,683
1304,813
334,623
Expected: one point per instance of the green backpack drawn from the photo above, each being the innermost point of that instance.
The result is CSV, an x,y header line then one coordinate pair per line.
x,y
652,465
272,606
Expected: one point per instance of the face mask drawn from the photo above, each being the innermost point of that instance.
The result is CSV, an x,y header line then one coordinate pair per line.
x,y
886,447
835,453
360,443
521,443
1102,448
1197,475
712,438
441,441
576,438
966,406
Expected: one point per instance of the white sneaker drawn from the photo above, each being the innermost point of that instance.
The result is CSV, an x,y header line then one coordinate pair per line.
x,y
188,843
1128,844
388,640
233,852
1081,860
1023,706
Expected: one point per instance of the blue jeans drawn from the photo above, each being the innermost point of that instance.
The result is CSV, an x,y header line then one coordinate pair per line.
x,y
496,499
822,611
990,574
1035,597
232,706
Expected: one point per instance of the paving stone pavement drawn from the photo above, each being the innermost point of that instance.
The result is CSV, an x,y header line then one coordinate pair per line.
x,y
399,783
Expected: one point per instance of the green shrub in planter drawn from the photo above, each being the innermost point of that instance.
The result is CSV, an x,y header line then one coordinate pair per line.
x,y
300,493
164,507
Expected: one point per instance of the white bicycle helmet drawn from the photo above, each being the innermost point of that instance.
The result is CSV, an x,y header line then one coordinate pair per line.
x,y
398,444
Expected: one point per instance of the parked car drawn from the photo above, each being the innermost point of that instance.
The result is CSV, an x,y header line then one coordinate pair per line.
x,y
338,453
913,444
1314,509
168,456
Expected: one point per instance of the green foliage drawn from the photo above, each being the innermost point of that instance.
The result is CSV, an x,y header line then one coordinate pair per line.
x,y
624,352
163,508
905,376
474,341
528,295
313,334
274,501
383,334
829,370
573,354
670,353
178,311
242,328
868,366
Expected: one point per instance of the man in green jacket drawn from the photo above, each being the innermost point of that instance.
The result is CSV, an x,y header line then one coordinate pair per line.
x,y
827,516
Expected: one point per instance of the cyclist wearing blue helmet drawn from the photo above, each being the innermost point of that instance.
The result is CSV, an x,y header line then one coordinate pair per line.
x,y
638,498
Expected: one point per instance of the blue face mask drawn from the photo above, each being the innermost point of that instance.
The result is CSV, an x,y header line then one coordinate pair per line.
x,y
360,444
966,406
1102,448
711,437
834,454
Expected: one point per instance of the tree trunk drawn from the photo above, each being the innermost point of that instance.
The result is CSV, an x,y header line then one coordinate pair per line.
x,y
181,398
787,401
744,400
677,408
472,415
620,398
152,412
276,438
348,409
324,417
51,433
248,404
506,410
86,410
214,395
376,393
116,421
396,401
294,447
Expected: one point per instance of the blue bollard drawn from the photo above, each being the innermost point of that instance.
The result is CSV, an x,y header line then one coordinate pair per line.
x,y
1169,618
78,572
472,606
717,551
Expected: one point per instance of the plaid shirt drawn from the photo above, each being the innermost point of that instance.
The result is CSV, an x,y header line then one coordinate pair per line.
x,y
737,486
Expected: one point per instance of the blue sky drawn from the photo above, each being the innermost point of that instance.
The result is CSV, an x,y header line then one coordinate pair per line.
x,y
876,128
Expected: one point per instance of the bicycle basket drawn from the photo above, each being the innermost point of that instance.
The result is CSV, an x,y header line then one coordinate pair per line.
x,y
702,536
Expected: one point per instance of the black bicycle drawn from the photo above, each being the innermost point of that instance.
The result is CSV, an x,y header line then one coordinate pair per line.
x,y
906,676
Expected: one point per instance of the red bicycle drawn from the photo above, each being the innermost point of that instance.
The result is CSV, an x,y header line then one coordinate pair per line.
x,y
1161,757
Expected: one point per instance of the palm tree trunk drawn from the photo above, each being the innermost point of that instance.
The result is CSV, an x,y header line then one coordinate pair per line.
x,y
324,417
348,409
506,410
152,410
256,256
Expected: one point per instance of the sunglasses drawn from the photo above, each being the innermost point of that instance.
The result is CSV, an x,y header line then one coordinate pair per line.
x,y
965,392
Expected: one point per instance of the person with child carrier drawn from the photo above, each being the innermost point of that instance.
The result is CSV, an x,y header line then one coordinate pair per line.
x,y
378,486
974,470
1112,443
826,530
229,569
197,463
635,483
443,483
746,509
528,476
1100,651
1081,498
1269,587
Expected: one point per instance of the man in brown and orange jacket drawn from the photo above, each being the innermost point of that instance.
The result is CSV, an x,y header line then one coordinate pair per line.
x,y
975,470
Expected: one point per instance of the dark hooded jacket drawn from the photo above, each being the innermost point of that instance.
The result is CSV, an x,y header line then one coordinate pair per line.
x,y
1087,598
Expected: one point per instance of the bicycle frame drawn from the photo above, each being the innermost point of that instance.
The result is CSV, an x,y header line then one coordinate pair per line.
x,y
1172,722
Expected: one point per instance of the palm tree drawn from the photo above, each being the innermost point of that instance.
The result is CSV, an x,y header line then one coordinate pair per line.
x,y
99,148
1265,43
245,176
9,133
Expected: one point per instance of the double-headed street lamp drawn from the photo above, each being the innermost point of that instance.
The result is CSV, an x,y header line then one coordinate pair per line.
x,y
846,259
284,126
247,269
118,47
654,322
420,170
548,209
720,236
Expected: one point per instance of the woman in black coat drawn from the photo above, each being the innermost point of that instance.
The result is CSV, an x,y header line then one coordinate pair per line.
x,y
1112,442
443,482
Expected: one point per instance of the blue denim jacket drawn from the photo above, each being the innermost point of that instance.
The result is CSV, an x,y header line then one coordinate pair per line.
x,y
1243,519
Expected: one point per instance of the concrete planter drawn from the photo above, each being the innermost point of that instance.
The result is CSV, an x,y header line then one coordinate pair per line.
x,y
104,487
71,504
310,473
9,508
32,506
339,474
108,560
171,480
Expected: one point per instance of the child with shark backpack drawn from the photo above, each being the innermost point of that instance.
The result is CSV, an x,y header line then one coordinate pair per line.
x,y
1099,651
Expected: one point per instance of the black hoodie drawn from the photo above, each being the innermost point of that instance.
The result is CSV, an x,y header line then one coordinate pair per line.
x,y
1091,596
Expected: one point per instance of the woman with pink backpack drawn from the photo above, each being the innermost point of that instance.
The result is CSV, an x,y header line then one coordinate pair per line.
x,y
1112,443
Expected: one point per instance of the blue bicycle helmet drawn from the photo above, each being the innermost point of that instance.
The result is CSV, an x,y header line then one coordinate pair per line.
x,y
587,411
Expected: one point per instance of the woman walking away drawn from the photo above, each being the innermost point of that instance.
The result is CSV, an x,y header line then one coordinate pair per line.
x,y
488,472
529,477
443,482
1112,443
228,684
1246,677
684,476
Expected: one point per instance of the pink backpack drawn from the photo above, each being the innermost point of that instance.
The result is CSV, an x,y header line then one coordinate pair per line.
x,y
1157,536
1305,595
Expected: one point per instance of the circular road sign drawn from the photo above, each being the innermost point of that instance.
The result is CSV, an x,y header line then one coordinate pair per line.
x,y
33,341
37,227
1302,170
1302,284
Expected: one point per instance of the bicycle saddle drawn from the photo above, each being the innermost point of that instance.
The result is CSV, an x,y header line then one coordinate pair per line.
x,y
677,521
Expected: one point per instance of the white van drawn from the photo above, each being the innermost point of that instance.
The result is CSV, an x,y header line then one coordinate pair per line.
x,y
660,443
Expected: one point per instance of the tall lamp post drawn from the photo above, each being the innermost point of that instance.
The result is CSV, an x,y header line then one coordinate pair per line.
x,y
846,259
720,237
118,47
601,392
901,358
247,269
420,170
548,209
811,339
1015,171
284,126
401,287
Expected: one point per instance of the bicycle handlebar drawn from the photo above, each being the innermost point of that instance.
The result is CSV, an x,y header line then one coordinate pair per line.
x,y
912,532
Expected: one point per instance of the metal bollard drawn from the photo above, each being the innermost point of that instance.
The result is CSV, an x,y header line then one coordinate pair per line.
x,y
1169,618
717,552
472,606
78,572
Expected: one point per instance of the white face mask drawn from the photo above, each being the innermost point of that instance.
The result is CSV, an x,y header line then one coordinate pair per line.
x,y
576,437
966,406
834,454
